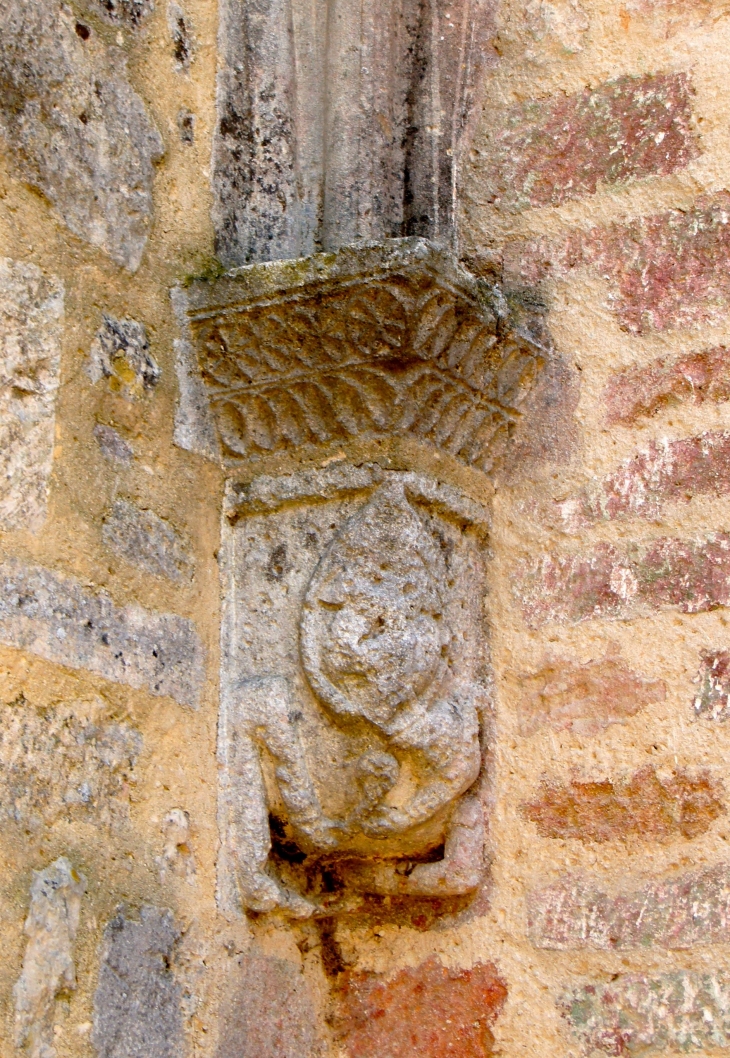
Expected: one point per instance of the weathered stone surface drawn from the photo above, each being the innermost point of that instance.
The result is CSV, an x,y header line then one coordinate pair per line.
x,y
268,1012
57,618
77,129
120,352
643,391
48,964
69,760
137,1010
713,698
547,151
268,493
341,123
194,427
643,806
563,20
675,913
186,125
665,271
584,698
31,330
665,472
182,35
381,341
352,639
427,1011
632,581
636,1013
112,444
547,430
130,12
147,541
177,856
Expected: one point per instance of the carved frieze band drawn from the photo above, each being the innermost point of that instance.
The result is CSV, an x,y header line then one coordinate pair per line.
x,y
382,341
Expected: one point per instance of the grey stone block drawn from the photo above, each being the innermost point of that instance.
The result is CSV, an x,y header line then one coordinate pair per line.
x,y
137,1011
112,444
78,130
121,353
31,329
59,619
182,36
146,541
70,760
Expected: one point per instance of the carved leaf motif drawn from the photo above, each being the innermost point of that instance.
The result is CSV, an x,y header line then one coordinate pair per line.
x,y
400,354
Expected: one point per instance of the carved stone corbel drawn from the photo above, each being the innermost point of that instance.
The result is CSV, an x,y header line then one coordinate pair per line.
x,y
359,400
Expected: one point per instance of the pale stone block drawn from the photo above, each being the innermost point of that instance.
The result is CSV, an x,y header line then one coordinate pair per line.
x,y
147,541
31,328
68,761
354,660
76,128
48,964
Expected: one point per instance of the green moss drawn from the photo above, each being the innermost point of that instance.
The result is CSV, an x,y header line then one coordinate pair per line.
x,y
209,269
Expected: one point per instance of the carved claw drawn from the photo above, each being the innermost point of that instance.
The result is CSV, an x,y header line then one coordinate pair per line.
x,y
263,894
384,821
327,834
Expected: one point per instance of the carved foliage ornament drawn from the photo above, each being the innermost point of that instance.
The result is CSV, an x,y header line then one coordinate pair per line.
x,y
375,341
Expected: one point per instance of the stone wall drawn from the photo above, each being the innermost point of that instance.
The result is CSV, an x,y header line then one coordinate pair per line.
x,y
600,176
594,183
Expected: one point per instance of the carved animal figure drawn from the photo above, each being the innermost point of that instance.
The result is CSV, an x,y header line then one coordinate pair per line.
x,y
391,662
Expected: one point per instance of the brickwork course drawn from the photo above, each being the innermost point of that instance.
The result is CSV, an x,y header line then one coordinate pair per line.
x,y
592,180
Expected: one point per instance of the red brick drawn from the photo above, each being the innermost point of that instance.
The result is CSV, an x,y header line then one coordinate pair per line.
x,y
643,391
584,698
713,699
675,914
643,807
425,1012
636,1014
665,271
268,1011
551,150
632,581
664,472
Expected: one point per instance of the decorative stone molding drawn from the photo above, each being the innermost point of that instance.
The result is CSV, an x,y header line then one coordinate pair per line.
x,y
341,121
373,341
355,706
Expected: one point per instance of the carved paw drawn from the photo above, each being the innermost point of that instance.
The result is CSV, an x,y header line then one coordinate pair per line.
x,y
263,893
327,834
385,821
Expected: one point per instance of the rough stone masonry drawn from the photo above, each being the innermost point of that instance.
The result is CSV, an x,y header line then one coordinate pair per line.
x,y
364,528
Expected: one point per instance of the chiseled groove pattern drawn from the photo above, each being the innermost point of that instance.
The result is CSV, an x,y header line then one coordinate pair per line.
x,y
401,355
